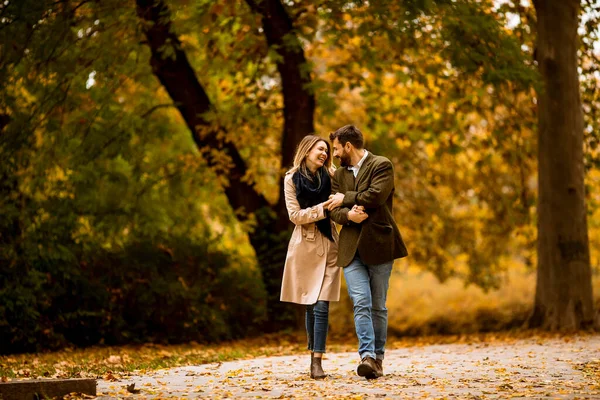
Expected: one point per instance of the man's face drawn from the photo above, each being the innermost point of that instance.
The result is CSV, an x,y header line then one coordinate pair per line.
x,y
342,153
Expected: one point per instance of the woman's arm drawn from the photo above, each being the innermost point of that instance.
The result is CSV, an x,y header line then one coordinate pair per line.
x,y
301,216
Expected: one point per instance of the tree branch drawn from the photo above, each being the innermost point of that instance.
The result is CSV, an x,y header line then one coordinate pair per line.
x,y
156,107
171,66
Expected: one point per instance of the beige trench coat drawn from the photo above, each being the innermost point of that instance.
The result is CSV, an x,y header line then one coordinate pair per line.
x,y
311,272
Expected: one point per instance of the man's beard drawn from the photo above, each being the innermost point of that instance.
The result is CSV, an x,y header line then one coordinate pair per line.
x,y
345,160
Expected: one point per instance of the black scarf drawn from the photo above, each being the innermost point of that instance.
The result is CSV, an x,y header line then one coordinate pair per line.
x,y
309,193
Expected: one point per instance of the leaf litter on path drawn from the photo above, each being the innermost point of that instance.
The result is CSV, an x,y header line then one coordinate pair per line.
x,y
521,368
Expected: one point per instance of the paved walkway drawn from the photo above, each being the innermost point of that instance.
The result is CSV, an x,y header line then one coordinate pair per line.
x,y
522,369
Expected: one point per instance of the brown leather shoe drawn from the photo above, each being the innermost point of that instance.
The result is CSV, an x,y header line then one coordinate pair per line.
x,y
367,368
316,371
379,369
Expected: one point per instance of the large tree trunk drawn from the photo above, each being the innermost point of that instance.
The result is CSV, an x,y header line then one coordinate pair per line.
x,y
298,101
298,115
563,299
175,73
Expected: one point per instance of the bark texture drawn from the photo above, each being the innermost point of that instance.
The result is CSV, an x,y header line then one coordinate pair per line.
x,y
563,299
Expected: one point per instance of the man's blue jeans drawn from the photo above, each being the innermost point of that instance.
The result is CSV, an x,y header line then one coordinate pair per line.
x,y
367,287
317,323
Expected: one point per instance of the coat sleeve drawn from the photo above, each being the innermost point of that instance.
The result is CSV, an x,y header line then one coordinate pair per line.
x,y
382,184
340,214
300,216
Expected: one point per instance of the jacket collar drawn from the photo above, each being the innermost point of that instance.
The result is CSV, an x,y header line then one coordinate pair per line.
x,y
364,165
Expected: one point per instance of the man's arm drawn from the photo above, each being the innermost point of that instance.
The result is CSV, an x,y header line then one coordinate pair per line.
x,y
382,183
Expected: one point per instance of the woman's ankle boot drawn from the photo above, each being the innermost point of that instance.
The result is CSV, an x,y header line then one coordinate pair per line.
x,y
316,371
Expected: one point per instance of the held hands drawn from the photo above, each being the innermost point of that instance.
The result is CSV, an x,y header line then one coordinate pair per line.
x,y
357,214
358,209
327,204
335,200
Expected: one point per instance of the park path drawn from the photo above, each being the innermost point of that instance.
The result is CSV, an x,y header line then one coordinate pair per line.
x,y
527,368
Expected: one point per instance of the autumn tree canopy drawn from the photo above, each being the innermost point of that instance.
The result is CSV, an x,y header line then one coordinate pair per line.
x,y
149,123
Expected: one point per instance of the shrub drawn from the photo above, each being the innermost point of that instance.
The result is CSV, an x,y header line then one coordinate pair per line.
x,y
160,291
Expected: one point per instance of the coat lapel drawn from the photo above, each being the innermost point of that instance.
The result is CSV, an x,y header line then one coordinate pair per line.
x,y
348,179
363,169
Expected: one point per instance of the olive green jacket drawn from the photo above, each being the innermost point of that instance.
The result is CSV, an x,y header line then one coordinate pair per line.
x,y
377,238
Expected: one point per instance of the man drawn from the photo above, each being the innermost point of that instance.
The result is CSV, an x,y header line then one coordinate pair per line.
x,y
369,240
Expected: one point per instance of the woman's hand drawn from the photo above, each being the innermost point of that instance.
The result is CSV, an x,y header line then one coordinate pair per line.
x,y
327,203
335,201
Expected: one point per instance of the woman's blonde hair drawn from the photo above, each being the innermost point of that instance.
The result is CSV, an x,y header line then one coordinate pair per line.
x,y
304,147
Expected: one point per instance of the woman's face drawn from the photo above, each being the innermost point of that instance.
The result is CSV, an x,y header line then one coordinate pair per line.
x,y
317,156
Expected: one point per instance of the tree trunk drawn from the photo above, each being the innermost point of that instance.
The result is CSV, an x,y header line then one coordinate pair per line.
x,y
4,120
179,79
298,115
271,234
563,299
298,101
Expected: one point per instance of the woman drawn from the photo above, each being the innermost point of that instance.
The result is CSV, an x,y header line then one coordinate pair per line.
x,y
311,276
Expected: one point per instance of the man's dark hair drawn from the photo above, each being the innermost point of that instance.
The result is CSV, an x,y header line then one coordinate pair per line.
x,y
348,133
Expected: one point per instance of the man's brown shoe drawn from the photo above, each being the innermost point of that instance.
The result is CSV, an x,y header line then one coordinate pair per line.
x,y
367,368
379,370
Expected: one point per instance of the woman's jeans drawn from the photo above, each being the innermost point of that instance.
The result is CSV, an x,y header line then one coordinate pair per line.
x,y
317,316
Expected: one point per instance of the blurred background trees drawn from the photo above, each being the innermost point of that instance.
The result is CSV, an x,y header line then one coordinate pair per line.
x,y
144,143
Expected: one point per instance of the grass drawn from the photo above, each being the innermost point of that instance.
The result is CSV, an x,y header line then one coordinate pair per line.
x,y
111,361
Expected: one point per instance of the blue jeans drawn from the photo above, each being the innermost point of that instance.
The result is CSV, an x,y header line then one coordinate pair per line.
x,y
367,287
317,323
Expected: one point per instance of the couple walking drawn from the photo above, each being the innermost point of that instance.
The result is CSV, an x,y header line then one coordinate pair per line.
x,y
358,196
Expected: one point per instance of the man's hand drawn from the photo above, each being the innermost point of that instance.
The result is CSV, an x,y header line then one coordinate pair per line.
x,y
357,214
336,201
359,209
